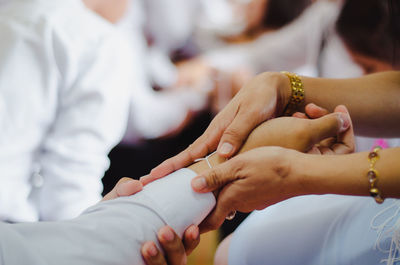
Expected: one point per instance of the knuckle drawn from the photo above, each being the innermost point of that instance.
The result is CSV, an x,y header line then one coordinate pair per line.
x,y
124,179
234,134
213,179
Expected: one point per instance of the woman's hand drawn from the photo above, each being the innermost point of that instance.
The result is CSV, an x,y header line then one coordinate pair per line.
x,y
251,180
260,177
262,98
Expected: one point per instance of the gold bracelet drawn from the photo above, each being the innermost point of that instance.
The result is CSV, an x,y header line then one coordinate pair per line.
x,y
297,97
372,174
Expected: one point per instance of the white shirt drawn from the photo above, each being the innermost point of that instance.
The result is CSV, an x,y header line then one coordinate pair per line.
x,y
64,79
111,232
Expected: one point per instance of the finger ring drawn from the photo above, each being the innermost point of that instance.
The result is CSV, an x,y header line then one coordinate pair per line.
x,y
230,216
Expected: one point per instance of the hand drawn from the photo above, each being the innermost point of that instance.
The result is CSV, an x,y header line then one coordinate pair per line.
x,y
263,97
251,180
124,187
342,144
175,249
255,167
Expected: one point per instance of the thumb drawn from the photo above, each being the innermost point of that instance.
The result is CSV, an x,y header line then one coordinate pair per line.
x,y
214,178
330,125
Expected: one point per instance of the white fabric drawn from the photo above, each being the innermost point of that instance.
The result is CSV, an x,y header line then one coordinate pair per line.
x,y
153,114
171,22
64,80
110,232
315,230
293,46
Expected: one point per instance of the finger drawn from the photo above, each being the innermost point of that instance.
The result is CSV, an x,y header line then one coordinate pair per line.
x,y
225,205
328,126
314,111
300,115
151,255
236,133
172,246
314,151
124,187
203,146
215,178
328,142
191,238
326,150
346,140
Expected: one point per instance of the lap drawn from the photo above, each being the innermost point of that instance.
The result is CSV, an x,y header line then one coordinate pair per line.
x,y
318,230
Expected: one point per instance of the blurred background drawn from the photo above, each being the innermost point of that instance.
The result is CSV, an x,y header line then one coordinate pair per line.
x,y
186,59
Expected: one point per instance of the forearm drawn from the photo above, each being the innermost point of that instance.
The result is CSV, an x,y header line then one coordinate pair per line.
x,y
111,232
346,174
372,100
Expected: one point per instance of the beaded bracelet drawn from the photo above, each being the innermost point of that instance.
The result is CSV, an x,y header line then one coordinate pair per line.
x,y
372,174
298,96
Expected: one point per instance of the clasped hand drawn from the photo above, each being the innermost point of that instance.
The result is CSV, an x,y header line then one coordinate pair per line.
x,y
261,176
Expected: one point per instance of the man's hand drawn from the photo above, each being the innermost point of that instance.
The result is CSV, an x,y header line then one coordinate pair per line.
x,y
341,144
175,249
124,187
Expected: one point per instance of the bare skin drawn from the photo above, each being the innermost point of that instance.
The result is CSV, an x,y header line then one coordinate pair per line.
x,y
279,133
372,101
112,11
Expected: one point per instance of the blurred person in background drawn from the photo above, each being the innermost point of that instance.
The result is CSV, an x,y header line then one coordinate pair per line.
x,y
64,96
223,24
336,39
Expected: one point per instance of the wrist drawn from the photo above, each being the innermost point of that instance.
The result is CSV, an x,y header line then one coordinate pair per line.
x,y
281,84
331,174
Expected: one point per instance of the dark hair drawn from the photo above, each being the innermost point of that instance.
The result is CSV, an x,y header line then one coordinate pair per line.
x,y
281,12
371,27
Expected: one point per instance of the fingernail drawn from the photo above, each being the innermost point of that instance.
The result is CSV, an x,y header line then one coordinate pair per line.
x,y
152,250
225,149
199,183
167,234
194,233
344,122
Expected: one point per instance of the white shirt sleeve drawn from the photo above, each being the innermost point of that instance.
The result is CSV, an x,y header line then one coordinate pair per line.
x,y
91,119
110,232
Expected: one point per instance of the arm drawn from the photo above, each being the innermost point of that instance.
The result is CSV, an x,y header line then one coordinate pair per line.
x,y
267,175
346,174
94,237
372,100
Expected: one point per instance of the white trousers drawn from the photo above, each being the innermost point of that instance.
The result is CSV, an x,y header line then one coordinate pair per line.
x,y
110,232
318,230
